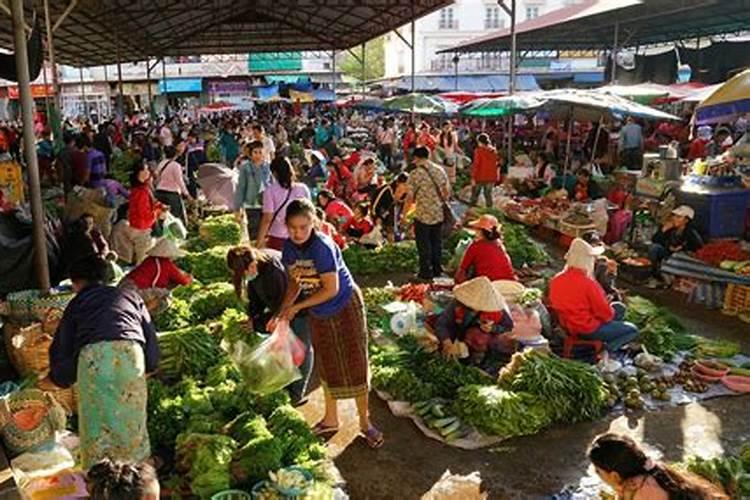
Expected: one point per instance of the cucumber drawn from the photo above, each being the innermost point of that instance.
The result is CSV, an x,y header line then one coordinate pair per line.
x,y
437,411
442,423
449,429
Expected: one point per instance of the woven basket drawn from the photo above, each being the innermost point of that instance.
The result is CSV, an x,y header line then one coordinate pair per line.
x,y
736,300
28,349
67,398
29,305
18,440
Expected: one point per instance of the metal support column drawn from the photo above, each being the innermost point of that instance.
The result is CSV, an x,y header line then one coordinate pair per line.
x,y
83,89
106,87
333,73
51,54
148,83
29,147
413,56
613,75
120,102
456,60
166,87
511,11
364,72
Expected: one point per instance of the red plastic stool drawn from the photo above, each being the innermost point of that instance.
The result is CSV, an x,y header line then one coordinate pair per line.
x,y
572,340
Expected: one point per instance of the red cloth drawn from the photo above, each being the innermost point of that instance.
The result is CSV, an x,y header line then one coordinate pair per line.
x,y
409,141
487,258
330,231
143,208
427,140
579,302
697,149
363,225
337,209
484,167
144,276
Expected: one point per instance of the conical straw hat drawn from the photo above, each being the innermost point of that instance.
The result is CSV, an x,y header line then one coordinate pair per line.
x,y
479,295
166,248
510,290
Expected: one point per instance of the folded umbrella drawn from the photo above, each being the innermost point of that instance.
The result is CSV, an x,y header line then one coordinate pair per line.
x,y
218,183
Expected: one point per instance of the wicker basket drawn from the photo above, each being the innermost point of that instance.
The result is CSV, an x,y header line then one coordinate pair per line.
x,y
67,398
29,305
28,348
575,230
18,440
736,300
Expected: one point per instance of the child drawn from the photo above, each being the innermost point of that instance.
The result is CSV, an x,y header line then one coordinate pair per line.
x,y
109,480
329,229
360,224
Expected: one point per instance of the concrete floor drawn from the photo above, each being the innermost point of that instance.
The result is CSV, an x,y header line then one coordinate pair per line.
x,y
537,466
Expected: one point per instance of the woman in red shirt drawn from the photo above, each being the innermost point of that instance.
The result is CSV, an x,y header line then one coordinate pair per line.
x,y
484,170
132,240
360,224
336,211
155,276
581,304
486,256
409,140
339,178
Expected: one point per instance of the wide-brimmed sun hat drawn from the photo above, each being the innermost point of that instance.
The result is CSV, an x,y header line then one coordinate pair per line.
x,y
166,248
510,290
487,222
479,295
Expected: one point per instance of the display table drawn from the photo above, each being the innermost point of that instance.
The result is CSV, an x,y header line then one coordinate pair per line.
x,y
8,488
719,212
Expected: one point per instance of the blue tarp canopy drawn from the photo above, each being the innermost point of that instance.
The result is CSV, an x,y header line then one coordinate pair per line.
x,y
323,95
466,83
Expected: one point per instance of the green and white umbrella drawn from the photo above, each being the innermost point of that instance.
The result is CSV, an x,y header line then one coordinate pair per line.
x,y
421,104
498,107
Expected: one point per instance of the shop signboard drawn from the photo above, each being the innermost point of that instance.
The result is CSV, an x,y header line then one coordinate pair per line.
x,y
89,89
228,87
275,61
183,85
38,90
129,88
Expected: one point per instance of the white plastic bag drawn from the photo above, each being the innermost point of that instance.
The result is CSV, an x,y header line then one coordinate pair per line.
x,y
273,364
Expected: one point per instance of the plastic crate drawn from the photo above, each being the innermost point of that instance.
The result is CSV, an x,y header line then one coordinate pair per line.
x,y
719,214
736,300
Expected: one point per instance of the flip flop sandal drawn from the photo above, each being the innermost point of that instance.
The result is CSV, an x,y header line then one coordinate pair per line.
x,y
322,429
374,438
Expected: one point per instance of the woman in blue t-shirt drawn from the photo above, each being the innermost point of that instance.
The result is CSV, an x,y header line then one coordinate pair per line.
x,y
321,284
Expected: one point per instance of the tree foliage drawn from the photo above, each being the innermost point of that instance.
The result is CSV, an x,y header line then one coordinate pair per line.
x,y
374,60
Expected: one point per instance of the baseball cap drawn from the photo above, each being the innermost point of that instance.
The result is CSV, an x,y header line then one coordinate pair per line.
x,y
684,211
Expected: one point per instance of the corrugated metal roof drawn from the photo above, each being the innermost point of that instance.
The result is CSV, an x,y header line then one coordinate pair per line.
x,y
96,30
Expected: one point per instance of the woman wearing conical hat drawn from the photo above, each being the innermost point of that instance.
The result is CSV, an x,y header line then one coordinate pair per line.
x,y
478,316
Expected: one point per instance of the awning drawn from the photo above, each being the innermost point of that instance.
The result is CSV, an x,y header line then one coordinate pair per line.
x,y
466,83
289,79
323,95
590,25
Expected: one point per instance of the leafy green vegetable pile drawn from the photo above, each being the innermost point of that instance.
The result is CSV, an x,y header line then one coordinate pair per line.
x,y
391,258
731,473
189,351
220,230
212,300
207,266
498,412
658,327
663,334
572,391
408,373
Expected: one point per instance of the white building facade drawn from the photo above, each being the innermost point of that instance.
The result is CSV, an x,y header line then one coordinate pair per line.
x,y
449,26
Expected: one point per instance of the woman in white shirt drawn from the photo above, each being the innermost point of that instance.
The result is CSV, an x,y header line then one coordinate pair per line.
x,y
170,183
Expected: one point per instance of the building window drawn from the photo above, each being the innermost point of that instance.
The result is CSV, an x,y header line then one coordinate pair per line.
x,y
532,11
492,18
447,22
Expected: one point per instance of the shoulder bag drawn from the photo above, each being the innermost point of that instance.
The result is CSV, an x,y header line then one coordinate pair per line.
x,y
449,217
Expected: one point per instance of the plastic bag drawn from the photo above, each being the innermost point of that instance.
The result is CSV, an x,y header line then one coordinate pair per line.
x,y
174,229
273,364
458,255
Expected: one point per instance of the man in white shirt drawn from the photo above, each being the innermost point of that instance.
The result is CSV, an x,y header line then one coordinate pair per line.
x,y
165,135
269,149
